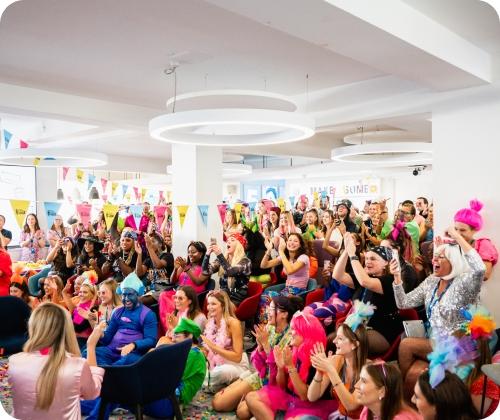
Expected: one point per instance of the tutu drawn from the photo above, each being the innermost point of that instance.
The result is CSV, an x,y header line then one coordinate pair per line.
x,y
280,400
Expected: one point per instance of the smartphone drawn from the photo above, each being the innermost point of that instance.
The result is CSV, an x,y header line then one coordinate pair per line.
x,y
213,241
395,256
326,264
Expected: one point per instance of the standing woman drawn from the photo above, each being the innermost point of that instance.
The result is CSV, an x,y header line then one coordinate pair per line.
x,y
32,239
49,377
234,268
223,341
5,271
57,232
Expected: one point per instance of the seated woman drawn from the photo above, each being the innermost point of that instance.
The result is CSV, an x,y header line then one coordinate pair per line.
x,y
293,255
52,290
234,269
286,226
91,257
380,391
49,377
294,375
223,341
32,239
280,314
157,267
342,370
19,288
448,400
256,249
186,306
313,228
122,259
189,272
231,224
468,222
109,300
455,283
376,283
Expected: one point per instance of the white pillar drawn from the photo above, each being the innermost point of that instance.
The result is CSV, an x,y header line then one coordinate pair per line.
x,y
46,190
465,166
196,180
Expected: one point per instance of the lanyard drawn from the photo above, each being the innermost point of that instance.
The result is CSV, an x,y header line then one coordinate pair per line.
x,y
436,299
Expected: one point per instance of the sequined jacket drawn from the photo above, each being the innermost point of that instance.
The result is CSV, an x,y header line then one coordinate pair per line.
x,y
445,316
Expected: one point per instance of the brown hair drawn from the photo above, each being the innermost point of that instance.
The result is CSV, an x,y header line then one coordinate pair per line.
x,y
361,353
194,307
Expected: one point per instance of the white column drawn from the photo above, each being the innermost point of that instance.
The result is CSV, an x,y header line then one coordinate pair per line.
x,y
46,190
465,166
196,180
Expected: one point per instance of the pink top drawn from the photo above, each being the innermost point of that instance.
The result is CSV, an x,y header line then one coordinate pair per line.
x,y
486,250
76,379
300,277
31,252
403,415
185,280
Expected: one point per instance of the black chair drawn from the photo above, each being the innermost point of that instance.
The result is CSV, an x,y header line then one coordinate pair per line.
x,y
14,329
203,295
154,377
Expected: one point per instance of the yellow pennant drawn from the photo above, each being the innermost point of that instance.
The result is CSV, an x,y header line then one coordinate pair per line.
x,y
79,175
109,211
237,210
36,161
182,214
20,208
281,203
144,191
114,186
315,195
127,197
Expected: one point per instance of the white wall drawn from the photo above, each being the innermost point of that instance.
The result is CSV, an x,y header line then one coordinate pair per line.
x,y
466,165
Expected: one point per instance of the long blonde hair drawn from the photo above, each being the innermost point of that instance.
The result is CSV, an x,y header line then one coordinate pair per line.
x,y
238,255
50,327
112,285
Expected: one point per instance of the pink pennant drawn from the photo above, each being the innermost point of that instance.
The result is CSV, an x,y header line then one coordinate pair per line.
x,y
136,192
23,144
160,214
104,183
65,172
222,211
83,211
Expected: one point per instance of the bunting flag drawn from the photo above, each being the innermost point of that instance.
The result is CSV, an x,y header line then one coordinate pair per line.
x,y
104,197
292,201
124,189
315,195
65,172
109,211
144,191
323,194
222,212
83,211
79,175
51,209
114,186
182,214
237,210
104,184
252,206
7,135
203,208
281,204
128,197
90,181
36,161
23,144
161,195
159,212
136,212
136,193
20,208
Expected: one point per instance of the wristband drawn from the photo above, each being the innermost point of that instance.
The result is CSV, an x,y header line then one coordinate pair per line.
x,y
354,258
317,380
292,370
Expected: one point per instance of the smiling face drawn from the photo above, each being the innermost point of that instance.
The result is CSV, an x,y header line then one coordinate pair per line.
x,y
297,339
283,220
367,392
130,298
88,246
181,301
78,284
58,221
311,218
407,213
85,294
326,219
293,243
425,409
193,254
465,231
273,216
105,294
373,209
441,265
31,221
374,264
214,307
126,243
14,291
343,344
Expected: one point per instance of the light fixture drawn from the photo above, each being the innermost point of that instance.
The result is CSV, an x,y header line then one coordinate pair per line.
x,y
60,194
51,157
94,194
385,153
229,170
232,118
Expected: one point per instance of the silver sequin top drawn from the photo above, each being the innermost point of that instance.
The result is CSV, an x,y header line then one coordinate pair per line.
x,y
463,290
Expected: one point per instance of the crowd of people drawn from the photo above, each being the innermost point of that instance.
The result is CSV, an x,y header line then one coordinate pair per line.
x,y
396,331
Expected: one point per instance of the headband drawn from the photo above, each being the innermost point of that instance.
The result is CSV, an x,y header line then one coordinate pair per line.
x,y
383,252
240,238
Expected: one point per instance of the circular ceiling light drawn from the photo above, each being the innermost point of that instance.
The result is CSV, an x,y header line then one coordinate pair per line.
x,y
228,169
385,153
43,157
266,120
381,136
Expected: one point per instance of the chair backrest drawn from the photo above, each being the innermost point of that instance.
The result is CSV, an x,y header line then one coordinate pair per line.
x,y
211,284
155,376
254,288
15,314
312,284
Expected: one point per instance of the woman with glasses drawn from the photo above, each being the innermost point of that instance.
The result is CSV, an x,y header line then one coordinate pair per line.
x,y
458,272
380,391
57,231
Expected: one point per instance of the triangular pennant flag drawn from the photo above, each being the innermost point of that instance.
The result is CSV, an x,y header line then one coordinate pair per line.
x,y
36,161
124,189
79,175
23,144
323,194
20,208
104,197
128,197
136,193
83,211
252,206
315,195
203,208
136,212
144,191
160,215
51,209
292,201
104,184
161,195
182,214
109,211
65,172
7,135
237,210
90,181
281,203
114,186
222,211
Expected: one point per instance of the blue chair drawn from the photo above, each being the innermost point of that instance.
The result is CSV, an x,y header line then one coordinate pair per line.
x,y
312,284
154,377
14,329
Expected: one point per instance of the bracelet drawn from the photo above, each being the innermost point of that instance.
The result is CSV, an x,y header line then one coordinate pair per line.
x,y
317,380
292,370
354,258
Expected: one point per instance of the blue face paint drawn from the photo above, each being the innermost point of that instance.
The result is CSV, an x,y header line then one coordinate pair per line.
x,y
130,298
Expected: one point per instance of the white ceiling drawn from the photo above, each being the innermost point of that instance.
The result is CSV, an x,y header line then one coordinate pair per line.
x,y
90,72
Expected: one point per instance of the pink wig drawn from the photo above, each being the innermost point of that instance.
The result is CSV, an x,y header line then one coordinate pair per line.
x,y
471,215
310,329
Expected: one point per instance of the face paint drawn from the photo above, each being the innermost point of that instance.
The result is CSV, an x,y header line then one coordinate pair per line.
x,y
130,298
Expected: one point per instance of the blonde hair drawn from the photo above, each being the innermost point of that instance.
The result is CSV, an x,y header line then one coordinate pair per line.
x,y
227,305
112,285
50,326
238,255
91,288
